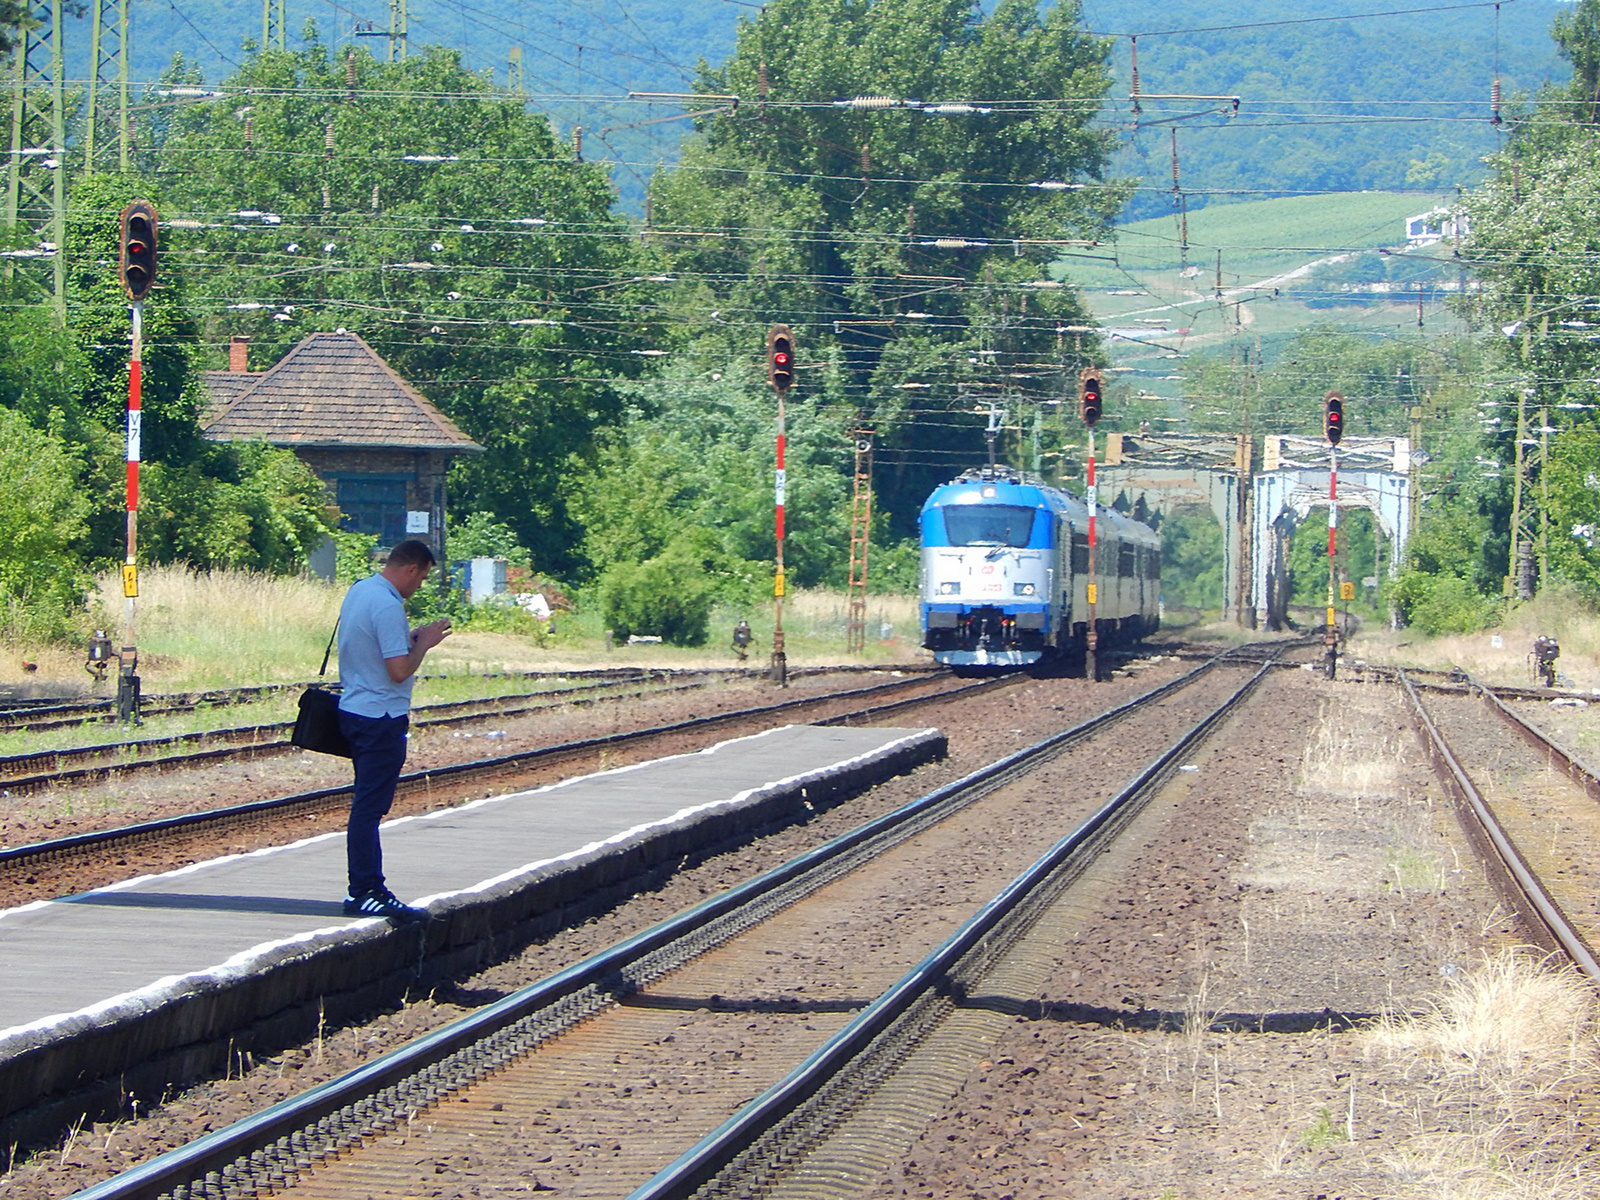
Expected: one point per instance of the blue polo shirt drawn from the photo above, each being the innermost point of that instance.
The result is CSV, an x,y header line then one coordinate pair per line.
x,y
373,627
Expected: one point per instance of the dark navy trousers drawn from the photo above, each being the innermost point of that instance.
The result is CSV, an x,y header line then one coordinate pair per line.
x,y
378,746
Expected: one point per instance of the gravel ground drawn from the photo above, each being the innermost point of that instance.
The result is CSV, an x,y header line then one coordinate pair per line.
x,y
985,729
1195,1042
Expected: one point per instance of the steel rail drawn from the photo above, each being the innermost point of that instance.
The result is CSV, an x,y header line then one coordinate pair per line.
x,y
248,741
265,1149
14,716
1546,743
745,1145
1514,879
320,798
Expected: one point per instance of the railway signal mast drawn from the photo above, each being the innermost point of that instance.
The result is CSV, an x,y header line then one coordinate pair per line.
x,y
1333,430
136,267
1090,390
780,374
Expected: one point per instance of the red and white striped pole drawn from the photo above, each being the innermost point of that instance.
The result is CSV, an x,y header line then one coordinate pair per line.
x,y
780,659
780,374
1332,635
128,680
136,265
1093,662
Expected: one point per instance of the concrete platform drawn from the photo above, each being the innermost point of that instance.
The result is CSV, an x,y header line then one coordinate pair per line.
x,y
130,989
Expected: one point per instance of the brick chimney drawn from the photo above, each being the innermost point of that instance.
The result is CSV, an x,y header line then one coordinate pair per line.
x,y
238,353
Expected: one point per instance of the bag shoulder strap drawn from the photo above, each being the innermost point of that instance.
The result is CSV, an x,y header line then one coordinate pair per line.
x,y
328,653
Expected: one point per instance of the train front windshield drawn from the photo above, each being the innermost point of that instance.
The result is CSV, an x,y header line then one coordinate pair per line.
x,y
987,525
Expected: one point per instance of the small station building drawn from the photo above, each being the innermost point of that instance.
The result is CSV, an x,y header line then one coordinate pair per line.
x,y
379,445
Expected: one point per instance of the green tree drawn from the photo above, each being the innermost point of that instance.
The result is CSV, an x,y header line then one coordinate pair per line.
x,y
42,512
1574,513
697,456
907,248
417,205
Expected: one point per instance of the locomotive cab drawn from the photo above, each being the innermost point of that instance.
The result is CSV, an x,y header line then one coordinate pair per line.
x,y
1006,577
987,572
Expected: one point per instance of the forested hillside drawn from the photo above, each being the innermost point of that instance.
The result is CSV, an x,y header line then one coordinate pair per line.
x,y
1390,101
1387,101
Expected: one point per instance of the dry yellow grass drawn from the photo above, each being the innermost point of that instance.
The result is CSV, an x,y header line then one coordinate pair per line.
x,y
228,628
1512,1046
1500,655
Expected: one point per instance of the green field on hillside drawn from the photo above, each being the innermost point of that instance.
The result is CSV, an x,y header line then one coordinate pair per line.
x,y
1158,305
1258,239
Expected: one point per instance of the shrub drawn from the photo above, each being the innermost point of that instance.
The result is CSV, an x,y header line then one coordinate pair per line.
x,y
42,514
668,596
352,555
1440,604
479,535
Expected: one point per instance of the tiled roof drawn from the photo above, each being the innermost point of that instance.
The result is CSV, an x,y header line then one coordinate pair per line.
x,y
225,387
330,390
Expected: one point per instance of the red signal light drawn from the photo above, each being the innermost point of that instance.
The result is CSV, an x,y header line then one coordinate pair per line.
x,y
1333,417
136,258
780,358
1089,395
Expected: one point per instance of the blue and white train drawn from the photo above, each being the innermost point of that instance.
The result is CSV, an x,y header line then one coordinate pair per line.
x,y
1005,573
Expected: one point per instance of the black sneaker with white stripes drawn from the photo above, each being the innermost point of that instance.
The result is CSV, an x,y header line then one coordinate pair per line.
x,y
383,903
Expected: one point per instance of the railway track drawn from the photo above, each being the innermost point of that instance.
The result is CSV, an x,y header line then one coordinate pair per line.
x,y
780,964
60,855
22,774
64,712
1530,807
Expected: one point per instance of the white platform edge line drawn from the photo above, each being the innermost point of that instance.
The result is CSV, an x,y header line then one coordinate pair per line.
x,y
152,992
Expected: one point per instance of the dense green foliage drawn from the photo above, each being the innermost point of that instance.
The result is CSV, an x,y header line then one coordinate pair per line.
x,y
906,249
417,206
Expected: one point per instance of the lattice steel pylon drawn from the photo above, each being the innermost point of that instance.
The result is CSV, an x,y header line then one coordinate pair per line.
x,y
399,28
36,185
106,116
274,19
860,542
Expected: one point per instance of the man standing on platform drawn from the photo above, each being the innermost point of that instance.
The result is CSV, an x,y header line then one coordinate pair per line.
x,y
378,657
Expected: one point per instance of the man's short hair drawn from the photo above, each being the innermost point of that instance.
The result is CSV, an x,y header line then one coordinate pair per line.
x,y
411,553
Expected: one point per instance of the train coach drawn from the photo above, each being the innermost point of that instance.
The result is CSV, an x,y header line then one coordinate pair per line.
x,y
1005,573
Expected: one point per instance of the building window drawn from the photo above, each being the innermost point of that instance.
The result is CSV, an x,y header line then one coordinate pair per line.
x,y
374,504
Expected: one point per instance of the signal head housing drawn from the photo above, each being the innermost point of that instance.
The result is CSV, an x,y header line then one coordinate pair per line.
x,y
1333,417
136,249
780,358
1091,389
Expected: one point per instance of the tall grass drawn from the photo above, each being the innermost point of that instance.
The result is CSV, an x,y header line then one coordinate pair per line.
x,y
230,628
1558,612
223,628
1510,1048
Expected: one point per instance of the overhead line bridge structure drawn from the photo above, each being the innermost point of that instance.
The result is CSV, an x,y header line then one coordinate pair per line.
x,y
1258,509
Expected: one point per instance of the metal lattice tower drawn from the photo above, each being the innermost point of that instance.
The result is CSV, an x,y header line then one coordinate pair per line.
x,y
860,541
399,28
273,20
36,185
107,120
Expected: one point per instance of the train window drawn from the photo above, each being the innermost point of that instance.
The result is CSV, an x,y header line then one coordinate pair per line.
x,y
1080,554
1125,560
988,524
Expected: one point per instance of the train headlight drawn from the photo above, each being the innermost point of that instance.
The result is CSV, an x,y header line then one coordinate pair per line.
x,y
1025,589
949,589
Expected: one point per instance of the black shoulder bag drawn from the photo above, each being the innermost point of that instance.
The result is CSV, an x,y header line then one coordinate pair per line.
x,y
317,726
